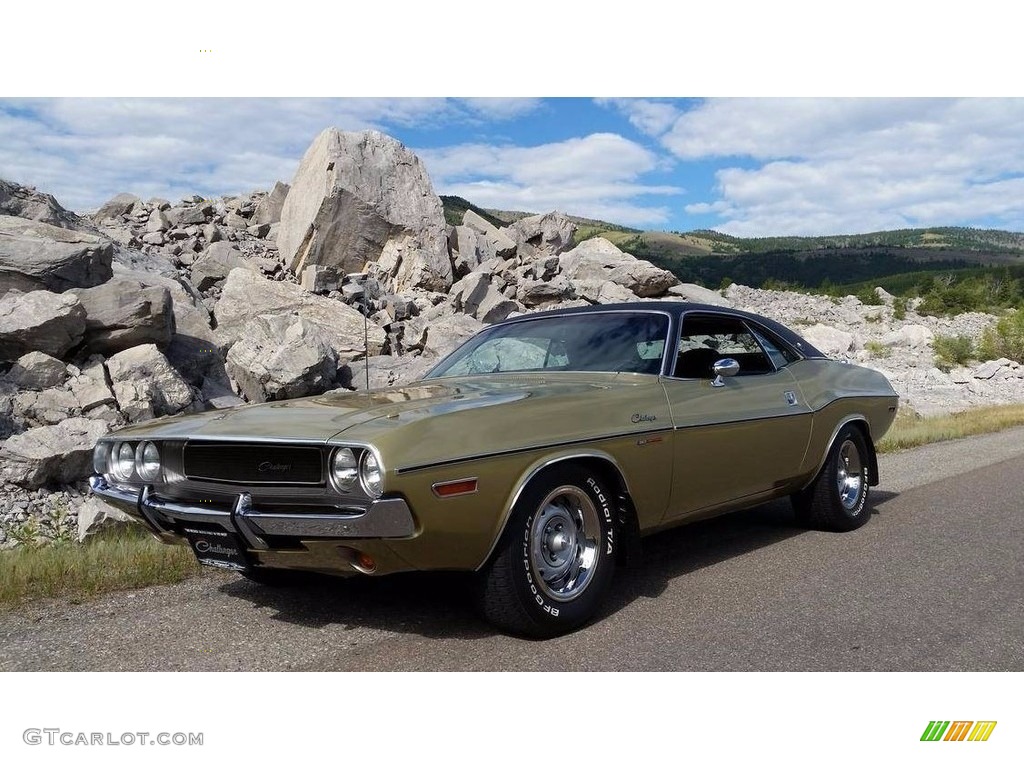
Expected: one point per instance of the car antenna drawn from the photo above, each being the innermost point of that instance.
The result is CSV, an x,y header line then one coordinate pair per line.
x,y
361,301
366,340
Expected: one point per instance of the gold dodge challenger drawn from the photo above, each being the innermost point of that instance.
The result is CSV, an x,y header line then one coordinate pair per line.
x,y
536,456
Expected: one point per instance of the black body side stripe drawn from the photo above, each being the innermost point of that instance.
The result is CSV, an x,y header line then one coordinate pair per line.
x,y
616,436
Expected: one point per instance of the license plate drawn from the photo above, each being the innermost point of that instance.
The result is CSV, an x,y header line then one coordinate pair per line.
x,y
217,548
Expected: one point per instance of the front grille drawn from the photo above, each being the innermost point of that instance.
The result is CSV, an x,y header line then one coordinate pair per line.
x,y
254,464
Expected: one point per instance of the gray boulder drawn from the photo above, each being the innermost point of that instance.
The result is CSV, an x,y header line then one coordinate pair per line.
x,y
990,368
830,341
35,255
599,259
477,296
96,516
911,335
40,321
268,210
9,424
27,203
539,293
411,267
91,392
501,245
247,294
195,215
128,260
158,221
215,264
37,371
317,279
353,194
699,295
146,385
234,221
599,291
280,357
61,453
385,371
124,313
438,332
477,240
116,207
51,406
212,233
195,347
545,234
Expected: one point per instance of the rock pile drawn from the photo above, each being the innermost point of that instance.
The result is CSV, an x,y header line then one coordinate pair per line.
x,y
148,308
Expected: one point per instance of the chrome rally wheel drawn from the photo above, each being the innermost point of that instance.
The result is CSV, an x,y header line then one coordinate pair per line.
x,y
565,543
556,558
849,475
836,500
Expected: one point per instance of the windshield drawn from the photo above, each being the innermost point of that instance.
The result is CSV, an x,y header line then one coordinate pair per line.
x,y
632,342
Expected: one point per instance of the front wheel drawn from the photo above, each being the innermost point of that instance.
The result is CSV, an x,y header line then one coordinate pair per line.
x,y
837,498
556,559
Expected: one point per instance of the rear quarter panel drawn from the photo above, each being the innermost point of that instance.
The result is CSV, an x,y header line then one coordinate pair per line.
x,y
837,392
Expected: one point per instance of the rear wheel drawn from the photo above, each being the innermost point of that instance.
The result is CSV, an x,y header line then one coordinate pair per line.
x,y
837,499
556,558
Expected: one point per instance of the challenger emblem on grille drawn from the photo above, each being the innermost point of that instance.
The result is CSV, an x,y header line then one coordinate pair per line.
x,y
269,466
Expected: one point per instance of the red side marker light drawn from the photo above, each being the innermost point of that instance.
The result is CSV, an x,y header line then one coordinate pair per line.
x,y
455,487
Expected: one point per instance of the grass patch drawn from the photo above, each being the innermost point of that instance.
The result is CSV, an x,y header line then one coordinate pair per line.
x,y
126,559
877,349
952,350
910,430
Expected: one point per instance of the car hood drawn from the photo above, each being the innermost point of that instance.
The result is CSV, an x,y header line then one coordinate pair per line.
x,y
366,416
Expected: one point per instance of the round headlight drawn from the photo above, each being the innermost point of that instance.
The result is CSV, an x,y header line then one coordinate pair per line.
x,y
124,460
344,469
100,457
371,475
147,461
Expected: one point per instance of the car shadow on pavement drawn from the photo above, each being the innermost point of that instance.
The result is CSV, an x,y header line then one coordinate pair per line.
x,y
440,605
428,604
689,548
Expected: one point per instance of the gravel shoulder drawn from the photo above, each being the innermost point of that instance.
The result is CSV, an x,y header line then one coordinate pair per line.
x,y
934,582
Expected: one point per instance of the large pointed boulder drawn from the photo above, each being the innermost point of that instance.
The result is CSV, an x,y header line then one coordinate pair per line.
x,y
353,194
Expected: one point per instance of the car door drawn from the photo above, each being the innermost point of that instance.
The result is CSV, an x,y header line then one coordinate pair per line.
x,y
736,437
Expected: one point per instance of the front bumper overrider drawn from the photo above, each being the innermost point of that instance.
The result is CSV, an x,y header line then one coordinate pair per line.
x,y
382,518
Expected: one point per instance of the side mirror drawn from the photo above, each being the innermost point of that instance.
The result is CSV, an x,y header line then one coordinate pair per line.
x,y
724,367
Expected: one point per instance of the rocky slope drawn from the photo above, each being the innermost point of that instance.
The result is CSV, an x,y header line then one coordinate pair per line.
x,y
148,308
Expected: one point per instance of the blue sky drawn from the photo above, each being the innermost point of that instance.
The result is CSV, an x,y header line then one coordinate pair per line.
x,y
752,167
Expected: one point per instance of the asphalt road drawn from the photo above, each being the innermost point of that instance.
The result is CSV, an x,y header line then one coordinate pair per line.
x,y
935,581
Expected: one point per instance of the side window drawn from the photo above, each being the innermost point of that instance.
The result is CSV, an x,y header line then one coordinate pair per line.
x,y
779,352
706,339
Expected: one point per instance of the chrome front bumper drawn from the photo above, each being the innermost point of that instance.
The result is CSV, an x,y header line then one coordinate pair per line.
x,y
383,518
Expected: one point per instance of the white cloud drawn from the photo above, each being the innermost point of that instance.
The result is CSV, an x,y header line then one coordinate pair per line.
x,y
84,151
501,108
647,116
598,176
826,166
